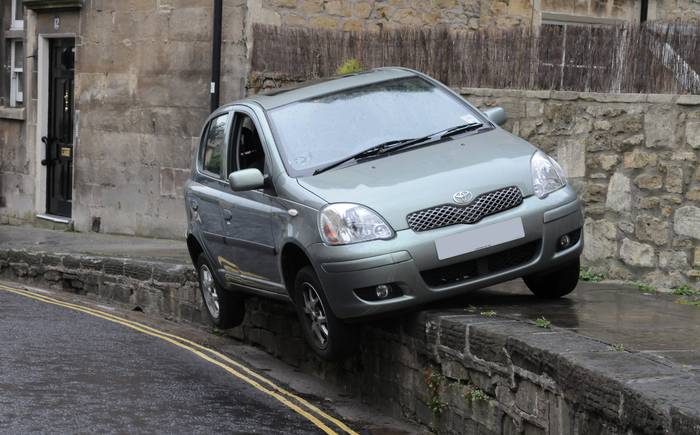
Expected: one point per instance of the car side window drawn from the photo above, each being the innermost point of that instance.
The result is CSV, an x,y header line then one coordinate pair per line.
x,y
248,150
212,156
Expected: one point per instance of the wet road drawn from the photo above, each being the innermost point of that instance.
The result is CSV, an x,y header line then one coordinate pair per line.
x,y
63,371
613,313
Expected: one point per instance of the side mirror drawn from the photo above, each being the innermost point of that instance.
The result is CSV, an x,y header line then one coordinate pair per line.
x,y
497,115
246,179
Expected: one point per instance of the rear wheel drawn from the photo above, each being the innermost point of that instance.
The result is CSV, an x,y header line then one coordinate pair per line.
x,y
327,335
555,284
226,309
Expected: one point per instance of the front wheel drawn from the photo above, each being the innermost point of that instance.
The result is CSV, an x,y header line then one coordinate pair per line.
x,y
226,309
555,284
327,335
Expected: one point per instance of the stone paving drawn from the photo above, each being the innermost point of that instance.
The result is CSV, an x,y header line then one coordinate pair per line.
x,y
614,360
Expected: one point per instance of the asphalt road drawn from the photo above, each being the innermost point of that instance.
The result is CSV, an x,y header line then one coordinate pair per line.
x,y
63,371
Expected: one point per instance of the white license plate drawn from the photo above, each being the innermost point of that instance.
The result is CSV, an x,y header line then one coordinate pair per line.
x,y
479,238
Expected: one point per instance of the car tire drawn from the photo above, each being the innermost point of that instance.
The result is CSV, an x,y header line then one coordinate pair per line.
x,y
328,336
556,283
226,309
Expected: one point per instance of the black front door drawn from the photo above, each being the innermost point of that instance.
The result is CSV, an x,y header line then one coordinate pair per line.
x,y
59,141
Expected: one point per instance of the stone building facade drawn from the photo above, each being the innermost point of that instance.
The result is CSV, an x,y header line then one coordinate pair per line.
x,y
374,15
138,74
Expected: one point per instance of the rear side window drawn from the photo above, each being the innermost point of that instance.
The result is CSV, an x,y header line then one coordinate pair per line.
x,y
212,157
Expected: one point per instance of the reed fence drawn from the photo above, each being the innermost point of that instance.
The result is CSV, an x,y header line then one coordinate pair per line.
x,y
652,58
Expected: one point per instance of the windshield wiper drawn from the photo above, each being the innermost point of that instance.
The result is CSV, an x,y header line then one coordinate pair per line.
x,y
397,144
442,134
460,129
369,152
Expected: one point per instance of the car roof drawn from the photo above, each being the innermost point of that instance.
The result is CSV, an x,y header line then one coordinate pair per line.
x,y
311,89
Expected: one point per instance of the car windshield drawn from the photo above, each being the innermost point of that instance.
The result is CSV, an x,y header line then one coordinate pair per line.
x,y
316,132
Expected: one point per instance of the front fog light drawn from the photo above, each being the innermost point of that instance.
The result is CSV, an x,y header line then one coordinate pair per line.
x,y
564,241
383,291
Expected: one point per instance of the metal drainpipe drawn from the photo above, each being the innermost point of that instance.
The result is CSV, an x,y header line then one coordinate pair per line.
x,y
216,55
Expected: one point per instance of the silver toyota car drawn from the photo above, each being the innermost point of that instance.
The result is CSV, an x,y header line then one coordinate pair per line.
x,y
368,194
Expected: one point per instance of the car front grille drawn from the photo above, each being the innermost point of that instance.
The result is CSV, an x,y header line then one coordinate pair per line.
x,y
483,266
483,205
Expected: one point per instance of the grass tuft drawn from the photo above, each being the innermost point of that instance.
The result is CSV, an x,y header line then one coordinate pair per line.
x,y
349,66
589,276
543,323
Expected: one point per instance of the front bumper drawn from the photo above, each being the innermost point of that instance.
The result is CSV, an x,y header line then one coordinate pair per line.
x,y
401,260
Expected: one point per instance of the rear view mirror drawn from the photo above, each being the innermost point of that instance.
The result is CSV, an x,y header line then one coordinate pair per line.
x,y
496,115
246,179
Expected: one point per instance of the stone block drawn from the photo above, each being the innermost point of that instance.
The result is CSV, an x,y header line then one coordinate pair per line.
x,y
652,229
696,257
637,254
686,221
572,157
600,237
138,271
674,179
660,128
649,181
608,161
673,259
619,196
325,22
340,8
639,159
635,140
692,134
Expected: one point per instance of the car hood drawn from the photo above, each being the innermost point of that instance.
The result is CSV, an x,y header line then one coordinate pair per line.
x,y
399,184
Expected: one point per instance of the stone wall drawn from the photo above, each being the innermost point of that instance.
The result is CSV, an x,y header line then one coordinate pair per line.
x,y
634,159
453,371
16,181
674,10
142,82
372,15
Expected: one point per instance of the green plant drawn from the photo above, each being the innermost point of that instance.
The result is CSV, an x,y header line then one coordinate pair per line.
x,y
349,66
691,302
588,275
488,313
433,380
618,347
685,290
543,323
474,394
216,331
646,288
471,309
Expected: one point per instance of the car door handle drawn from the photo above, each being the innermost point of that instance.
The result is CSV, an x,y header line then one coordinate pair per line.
x,y
194,205
228,215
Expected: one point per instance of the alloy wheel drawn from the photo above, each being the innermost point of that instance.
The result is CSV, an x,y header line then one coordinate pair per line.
x,y
209,291
316,314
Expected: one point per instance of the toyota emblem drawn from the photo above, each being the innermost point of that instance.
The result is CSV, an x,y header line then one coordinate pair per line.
x,y
462,197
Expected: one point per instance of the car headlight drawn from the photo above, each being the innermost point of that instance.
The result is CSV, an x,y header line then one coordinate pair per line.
x,y
547,175
342,224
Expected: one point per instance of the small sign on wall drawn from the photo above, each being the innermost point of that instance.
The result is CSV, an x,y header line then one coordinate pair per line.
x,y
56,23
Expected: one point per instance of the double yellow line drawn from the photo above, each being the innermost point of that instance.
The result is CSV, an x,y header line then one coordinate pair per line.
x,y
302,407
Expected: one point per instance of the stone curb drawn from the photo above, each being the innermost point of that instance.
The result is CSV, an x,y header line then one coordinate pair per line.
x,y
450,370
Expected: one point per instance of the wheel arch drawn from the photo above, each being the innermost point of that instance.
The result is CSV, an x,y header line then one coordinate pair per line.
x,y
292,259
194,248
